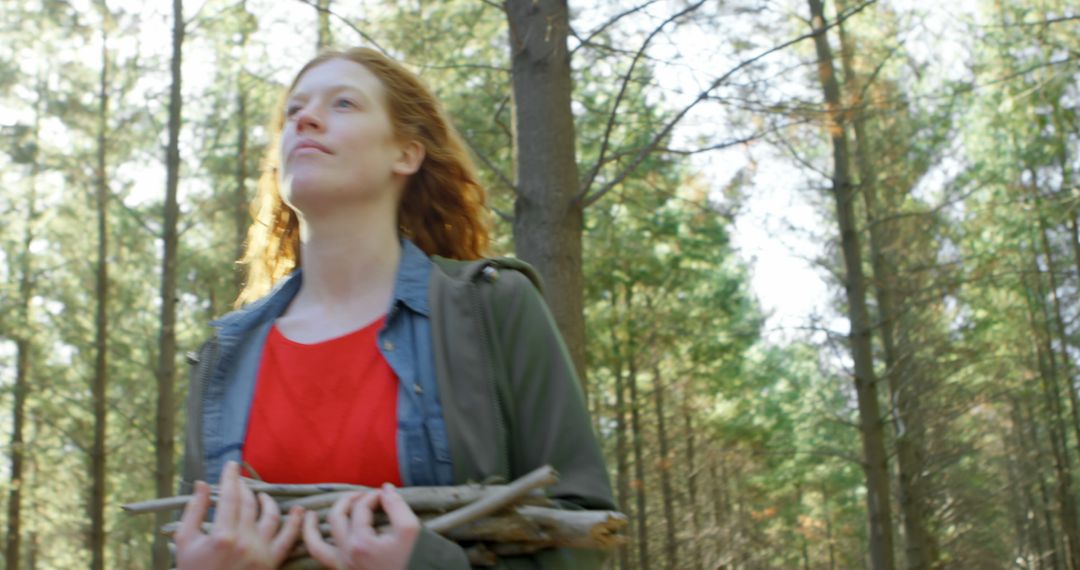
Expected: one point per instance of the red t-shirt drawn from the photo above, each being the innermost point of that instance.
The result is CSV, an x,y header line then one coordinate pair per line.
x,y
324,412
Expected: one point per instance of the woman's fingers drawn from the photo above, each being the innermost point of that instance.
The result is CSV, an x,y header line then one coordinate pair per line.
x,y
318,547
338,519
402,518
269,517
286,538
228,505
363,516
194,513
249,507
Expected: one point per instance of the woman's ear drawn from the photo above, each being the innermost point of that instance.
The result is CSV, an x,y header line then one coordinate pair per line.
x,y
409,159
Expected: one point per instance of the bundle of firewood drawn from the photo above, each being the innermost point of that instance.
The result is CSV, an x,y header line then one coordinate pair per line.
x,y
488,521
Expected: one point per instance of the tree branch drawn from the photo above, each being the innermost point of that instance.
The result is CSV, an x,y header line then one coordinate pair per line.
x,y
490,165
622,92
1045,22
610,22
346,21
588,199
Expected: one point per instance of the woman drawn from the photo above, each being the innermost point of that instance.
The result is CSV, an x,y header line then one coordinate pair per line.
x,y
394,354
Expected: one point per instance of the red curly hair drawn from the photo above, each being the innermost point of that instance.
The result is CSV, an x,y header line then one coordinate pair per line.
x,y
443,208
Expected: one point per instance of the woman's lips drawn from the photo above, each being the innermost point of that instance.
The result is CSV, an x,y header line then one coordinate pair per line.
x,y
309,147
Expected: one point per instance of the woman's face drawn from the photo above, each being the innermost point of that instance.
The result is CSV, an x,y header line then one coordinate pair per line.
x,y
338,144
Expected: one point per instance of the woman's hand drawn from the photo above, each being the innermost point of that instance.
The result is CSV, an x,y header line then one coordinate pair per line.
x,y
357,544
237,540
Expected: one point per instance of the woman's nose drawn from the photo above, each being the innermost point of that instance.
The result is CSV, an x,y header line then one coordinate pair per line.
x,y
308,118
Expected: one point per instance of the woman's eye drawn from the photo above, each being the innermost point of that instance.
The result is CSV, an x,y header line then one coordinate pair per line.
x,y
291,110
345,104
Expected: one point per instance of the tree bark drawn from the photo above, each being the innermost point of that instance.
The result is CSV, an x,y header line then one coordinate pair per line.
x,y
99,383
1034,443
694,548
622,469
1048,372
1065,166
23,350
804,547
718,479
641,511
666,492
166,365
31,555
870,423
548,216
325,39
1031,547
22,385
914,502
1074,231
828,526
241,204
1051,289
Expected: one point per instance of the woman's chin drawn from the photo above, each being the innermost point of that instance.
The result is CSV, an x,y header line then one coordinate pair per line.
x,y
317,196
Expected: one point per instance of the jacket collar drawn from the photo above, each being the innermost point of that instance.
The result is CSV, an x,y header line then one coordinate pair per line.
x,y
410,289
414,272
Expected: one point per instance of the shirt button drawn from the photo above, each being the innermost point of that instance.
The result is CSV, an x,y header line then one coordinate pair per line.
x,y
388,345
416,388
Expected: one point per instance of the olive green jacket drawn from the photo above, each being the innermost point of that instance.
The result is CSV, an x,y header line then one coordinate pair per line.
x,y
510,397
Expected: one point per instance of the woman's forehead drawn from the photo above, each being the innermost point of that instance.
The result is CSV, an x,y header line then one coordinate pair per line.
x,y
336,73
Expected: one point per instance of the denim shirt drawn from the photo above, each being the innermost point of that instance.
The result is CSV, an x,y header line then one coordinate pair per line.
x,y
404,341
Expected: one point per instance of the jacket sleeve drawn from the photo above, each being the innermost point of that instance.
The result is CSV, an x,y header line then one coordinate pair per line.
x,y
434,552
547,417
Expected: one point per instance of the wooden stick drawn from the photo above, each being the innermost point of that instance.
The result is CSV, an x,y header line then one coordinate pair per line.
x,y
543,477
295,489
525,526
578,529
494,520
503,527
424,499
162,504
419,499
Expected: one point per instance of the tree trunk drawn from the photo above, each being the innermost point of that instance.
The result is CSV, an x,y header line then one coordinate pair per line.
x,y
31,555
23,349
1074,230
828,526
665,463
101,324
1031,548
1066,187
325,39
241,204
22,384
635,428
622,469
166,365
804,547
914,502
692,505
718,479
1053,550
872,432
547,213
1056,423
1059,321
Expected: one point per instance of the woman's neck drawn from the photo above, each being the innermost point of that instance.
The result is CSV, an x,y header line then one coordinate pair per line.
x,y
350,259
